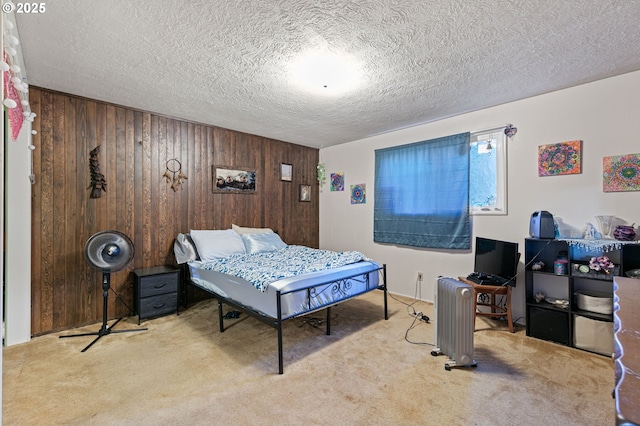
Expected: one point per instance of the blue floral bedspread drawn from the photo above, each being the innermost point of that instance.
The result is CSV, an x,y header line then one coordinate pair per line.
x,y
263,268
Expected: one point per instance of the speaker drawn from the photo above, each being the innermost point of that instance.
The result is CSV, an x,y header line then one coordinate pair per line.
x,y
109,251
541,225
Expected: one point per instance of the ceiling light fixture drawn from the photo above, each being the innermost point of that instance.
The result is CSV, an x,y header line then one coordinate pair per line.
x,y
326,73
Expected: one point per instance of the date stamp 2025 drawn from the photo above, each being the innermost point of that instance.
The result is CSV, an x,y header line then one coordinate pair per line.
x,y
8,7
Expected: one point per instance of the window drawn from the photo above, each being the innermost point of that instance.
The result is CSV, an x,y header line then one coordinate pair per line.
x,y
488,173
421,194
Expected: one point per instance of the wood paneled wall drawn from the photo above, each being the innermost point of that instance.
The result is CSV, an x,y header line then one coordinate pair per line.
x,y
135,148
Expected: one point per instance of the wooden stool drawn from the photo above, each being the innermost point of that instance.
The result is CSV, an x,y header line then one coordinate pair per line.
x,y
492,291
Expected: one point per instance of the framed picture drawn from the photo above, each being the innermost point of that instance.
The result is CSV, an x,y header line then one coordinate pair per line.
x,y
359,194
337,181
305,192
286,172
562,158
233,180
621,173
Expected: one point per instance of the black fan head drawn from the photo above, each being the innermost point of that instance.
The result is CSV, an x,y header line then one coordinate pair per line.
x,y
108,251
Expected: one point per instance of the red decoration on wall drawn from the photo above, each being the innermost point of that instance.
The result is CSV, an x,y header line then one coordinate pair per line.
x,y
16,116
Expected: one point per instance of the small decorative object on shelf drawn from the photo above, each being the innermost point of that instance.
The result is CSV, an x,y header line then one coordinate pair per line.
x,y
601,263
589,232
560,266
605,222
625,233
599,267
537,266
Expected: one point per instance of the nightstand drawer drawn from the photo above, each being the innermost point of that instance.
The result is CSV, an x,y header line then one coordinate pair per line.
x,y
156,291
159,284
158,305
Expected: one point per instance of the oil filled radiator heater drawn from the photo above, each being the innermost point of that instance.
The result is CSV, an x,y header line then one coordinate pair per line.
x,y
454,322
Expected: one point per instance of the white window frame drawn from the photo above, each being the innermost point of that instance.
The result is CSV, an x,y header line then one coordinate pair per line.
x,y
500,150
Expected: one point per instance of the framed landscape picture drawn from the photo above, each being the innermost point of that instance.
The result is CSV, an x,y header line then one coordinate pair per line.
x,y
286,172
236,180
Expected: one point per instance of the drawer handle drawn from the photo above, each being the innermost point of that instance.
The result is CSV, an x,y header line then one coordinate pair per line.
x,y
159,286
159,306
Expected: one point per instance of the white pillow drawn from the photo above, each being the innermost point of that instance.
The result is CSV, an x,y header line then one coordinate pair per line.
x,y
243,230
216,244
184,250
257,243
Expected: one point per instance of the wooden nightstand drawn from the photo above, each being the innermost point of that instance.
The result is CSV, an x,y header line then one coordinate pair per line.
x,y
156,291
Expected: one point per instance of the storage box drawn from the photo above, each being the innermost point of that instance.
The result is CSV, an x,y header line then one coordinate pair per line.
x,y
594,301
593,335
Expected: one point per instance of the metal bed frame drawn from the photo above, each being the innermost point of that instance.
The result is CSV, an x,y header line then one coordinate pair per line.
x,y
338,286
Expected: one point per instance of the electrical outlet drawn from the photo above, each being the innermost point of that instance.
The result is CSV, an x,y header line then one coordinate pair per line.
x,y
419,276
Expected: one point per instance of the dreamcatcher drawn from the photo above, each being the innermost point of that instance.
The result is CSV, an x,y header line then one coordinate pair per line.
x,y
174,174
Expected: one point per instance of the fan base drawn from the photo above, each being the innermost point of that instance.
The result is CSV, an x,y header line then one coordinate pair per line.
x,y
104,330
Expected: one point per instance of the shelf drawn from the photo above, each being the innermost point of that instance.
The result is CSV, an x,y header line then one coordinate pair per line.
x,y
549,272
547,305
606,280
601,245
593,315
549,322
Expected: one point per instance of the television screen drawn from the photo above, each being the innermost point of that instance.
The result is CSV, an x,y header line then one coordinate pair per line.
x,y
498,258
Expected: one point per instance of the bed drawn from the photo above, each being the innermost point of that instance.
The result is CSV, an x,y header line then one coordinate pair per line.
x,y
236,266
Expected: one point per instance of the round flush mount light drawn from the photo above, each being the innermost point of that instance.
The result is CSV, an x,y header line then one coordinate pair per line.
x,y
326,73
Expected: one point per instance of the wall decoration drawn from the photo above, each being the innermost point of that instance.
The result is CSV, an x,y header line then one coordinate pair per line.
x,y
322,174
174,174
621,173
564,158
98,182
305,192
358,194
337,181
286,172
12,101
233,180
510,130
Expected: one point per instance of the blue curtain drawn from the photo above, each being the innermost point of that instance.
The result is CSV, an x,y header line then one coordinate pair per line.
x,y
421,194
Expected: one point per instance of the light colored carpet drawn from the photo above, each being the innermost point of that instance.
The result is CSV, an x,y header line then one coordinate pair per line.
x,y
183,371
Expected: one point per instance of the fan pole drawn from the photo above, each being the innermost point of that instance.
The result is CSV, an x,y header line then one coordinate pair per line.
x,y
104,329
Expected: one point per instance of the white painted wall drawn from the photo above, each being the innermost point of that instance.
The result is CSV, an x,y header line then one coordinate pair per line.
x,y
605,115
17,285
17,226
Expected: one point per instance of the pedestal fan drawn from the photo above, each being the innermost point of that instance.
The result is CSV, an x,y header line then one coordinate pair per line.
x,y
107,251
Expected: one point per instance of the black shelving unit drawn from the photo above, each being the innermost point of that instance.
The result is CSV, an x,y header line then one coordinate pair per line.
x,y
567,324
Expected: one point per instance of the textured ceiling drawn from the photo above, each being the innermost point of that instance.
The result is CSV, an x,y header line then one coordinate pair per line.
x,y
227,63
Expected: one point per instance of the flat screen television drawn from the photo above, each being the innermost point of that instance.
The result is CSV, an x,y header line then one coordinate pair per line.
x,y
497,258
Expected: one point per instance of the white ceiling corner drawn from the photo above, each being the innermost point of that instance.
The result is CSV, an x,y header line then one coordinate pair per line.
x,y
227,63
